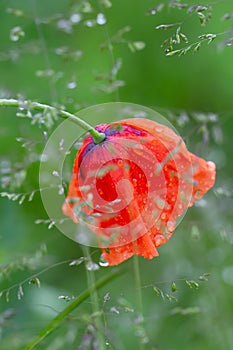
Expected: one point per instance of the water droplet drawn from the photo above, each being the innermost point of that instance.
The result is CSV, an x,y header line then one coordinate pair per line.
x,y
16,33
171,225
135,181
120,162
72,85
159,129
202,203
198,194
65,26
91,266
211,165
103,262
90,23
101,19
160,203
163,216
60,190
44,158
75,18
159,239
56,173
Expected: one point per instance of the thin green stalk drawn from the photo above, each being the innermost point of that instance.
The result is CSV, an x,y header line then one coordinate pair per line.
x,y
138,292
55,323
95,302
97,136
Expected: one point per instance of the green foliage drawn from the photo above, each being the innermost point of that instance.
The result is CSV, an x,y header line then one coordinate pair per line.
x,y
188,12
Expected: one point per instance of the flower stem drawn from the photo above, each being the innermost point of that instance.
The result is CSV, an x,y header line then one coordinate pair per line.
x,y
139,295
72,306
97,136
95,303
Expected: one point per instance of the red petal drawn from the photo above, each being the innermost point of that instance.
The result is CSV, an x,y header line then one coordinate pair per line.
x,y
156,180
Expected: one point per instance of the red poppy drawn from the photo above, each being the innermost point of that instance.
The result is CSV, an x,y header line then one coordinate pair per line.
x,y
132,187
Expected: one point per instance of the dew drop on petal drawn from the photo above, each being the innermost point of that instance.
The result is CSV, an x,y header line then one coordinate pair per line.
x,y
171,225
198,194
120,162
158,129
159,239
163,216
160,203
103,262
211,165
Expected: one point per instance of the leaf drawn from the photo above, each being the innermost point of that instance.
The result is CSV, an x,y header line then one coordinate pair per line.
x,y
159,292
156,290
170,297
22,199
156,9
186,311
54,324
204,277
173,287
184,37
35,281
30,198
178,5
197,47
106,3
192,284
166,26
173,53
178,35
20,292
77,262
137,46
7,296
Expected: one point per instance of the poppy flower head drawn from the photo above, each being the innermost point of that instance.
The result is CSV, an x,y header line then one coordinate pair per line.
x,y
131,188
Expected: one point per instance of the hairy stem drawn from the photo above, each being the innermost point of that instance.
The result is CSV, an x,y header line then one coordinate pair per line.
x,y
97,136
72,306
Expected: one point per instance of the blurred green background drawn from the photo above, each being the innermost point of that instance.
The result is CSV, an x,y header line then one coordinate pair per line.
x,y
64,54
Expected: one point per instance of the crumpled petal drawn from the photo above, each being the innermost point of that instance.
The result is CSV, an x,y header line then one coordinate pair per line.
x,y
132,187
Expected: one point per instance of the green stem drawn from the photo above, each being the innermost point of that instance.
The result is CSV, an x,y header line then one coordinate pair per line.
x,y
139,294
72,306
97,136
95,302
